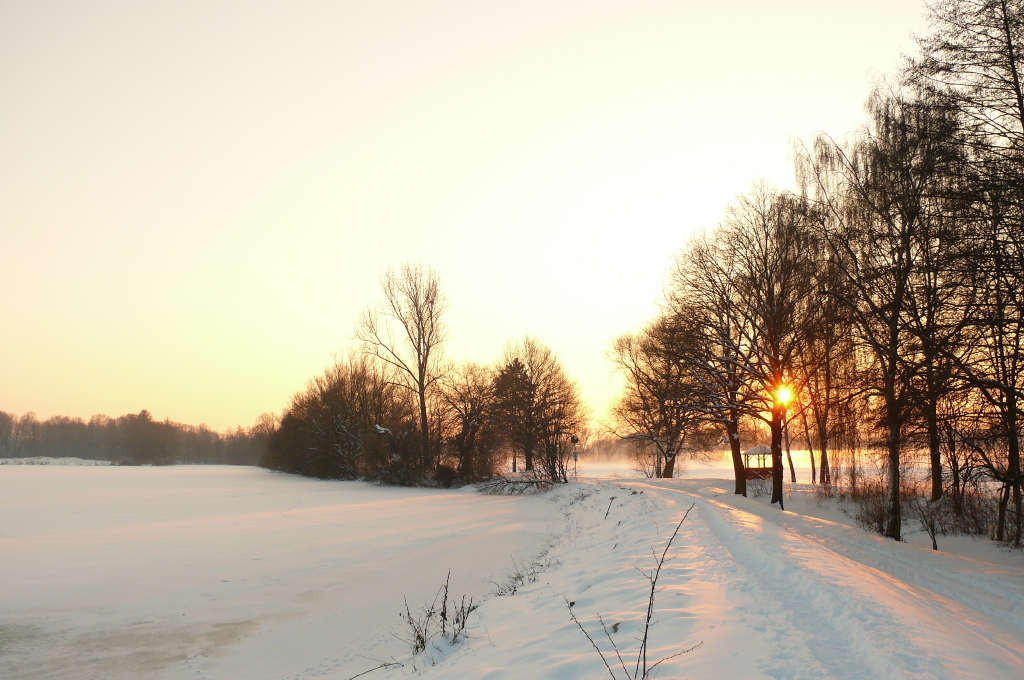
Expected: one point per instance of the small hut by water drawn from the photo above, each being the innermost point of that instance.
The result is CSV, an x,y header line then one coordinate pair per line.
x,y
758,462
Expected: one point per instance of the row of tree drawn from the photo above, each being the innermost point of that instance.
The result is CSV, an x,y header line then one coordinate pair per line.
x,y
886,293
133,439
397,411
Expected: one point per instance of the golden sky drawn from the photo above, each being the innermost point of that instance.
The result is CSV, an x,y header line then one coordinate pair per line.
x,y
198,198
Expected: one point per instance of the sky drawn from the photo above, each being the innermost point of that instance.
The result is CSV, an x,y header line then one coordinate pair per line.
x,y
198,199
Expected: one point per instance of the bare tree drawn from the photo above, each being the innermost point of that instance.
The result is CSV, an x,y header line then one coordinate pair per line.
x,y
993,360
538,407
825,368
7,428
468,393
748,293
872,197
333,428
973,58
657,407
941,305
407,332
701,295
770,241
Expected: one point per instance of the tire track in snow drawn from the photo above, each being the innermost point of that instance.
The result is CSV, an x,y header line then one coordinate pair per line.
x,y
997,591
853,620
832,640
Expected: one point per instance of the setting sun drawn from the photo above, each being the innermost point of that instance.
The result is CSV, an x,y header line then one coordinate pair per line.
x,y
784,395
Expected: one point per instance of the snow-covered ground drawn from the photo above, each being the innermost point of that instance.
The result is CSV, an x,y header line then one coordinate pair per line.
x,y
228,572
46,460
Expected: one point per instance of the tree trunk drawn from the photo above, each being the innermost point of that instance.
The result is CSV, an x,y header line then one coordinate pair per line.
x,y
529,445
958,492
810,446
932,424
777,471
424,431
1013,467
1004,498
894,521
826,469
825,465
1017,503
789,457
740,472
670,466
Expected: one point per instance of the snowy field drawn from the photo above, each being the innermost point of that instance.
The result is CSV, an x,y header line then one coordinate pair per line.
x,y
237,573
46,460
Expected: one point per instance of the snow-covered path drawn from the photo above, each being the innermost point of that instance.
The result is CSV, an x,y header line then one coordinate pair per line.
x,y
213,573
834,601
767,594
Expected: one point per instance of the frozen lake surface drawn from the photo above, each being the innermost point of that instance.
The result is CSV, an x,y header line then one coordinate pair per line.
x,y
113,572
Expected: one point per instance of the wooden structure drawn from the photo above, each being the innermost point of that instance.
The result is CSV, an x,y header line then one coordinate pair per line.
x,y
758,462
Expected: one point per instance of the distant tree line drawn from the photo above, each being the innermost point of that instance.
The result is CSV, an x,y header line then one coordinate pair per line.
x,y
133,439
878,310
395,410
